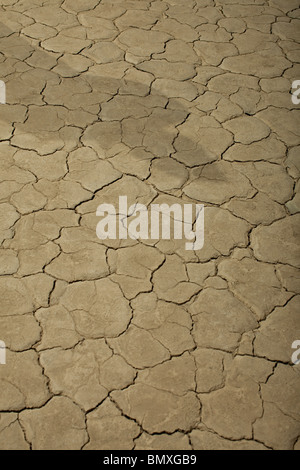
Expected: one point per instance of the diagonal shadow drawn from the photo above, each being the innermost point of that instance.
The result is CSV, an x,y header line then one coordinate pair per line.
x,y
112,108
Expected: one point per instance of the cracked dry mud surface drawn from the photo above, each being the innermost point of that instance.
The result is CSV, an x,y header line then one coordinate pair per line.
x,y
124,344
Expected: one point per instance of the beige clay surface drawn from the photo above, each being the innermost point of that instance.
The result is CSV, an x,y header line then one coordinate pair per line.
x,y
142,344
